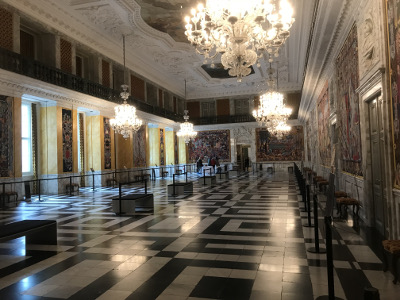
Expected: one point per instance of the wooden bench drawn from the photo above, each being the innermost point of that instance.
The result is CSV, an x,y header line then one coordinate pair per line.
x,y
346,201
391,257
35,231
72,186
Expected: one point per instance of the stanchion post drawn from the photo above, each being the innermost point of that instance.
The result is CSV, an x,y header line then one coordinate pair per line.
x,y
316,249
329,261
308,207
173,184
119,198
39,188
70,185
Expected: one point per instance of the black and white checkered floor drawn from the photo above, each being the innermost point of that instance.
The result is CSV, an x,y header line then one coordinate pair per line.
x,y
240,239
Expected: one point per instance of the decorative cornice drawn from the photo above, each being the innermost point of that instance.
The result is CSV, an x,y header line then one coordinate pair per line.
x,y
161,60
372,81
318,74
16,85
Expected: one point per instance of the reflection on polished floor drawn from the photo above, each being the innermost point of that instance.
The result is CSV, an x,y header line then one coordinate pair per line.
x,y
242,239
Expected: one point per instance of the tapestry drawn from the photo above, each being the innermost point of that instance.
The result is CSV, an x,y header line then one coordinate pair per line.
x,y
67,139
348,110
308,139
313,137
139,148
107,143
289,148
394,47
6,137
323,126
176,149
162,154
212,143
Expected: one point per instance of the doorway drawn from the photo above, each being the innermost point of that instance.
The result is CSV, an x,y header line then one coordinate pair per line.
x,y
242,152
376,141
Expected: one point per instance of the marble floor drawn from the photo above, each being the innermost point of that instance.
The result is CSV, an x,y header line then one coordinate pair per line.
x,y
240,239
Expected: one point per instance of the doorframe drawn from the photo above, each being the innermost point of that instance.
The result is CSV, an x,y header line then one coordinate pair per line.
x,y
377,96
370,89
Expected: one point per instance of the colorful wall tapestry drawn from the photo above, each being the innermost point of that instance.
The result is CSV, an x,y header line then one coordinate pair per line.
x,y
289,148
394,43
308,139
139,148
162,147
313,137
6,137
348,105
107,143
67,139
212,143
176,149
323,126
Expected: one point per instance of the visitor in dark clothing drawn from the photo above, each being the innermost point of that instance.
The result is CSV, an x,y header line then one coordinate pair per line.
x,y
199,165
213,163
247,164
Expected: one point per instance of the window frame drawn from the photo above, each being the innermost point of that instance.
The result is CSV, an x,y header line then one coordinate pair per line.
x,y
27,138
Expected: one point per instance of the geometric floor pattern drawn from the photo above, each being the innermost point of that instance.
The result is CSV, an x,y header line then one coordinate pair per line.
x,y
240,239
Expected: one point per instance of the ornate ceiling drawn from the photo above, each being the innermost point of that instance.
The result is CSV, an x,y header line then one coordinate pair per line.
x,y
156,45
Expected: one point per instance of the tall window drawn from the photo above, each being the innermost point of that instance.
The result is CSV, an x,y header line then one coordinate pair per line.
x,y
26,135
242,107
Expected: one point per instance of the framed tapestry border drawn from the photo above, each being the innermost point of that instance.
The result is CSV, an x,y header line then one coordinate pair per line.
x,y
348,104
393,38
107,143
6,137
67,139
162,148
289,148
139,148
211,143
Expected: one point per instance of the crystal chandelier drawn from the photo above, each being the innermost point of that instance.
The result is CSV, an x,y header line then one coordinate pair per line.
x,y
241,31
125,120
281,129
186,131
271,111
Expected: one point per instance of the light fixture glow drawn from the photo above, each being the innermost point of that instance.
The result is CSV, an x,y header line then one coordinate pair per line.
x,y
240,31
125,120
186,131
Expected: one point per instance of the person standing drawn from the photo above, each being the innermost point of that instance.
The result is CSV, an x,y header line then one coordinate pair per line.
x,y
213,162
199,165
247,164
